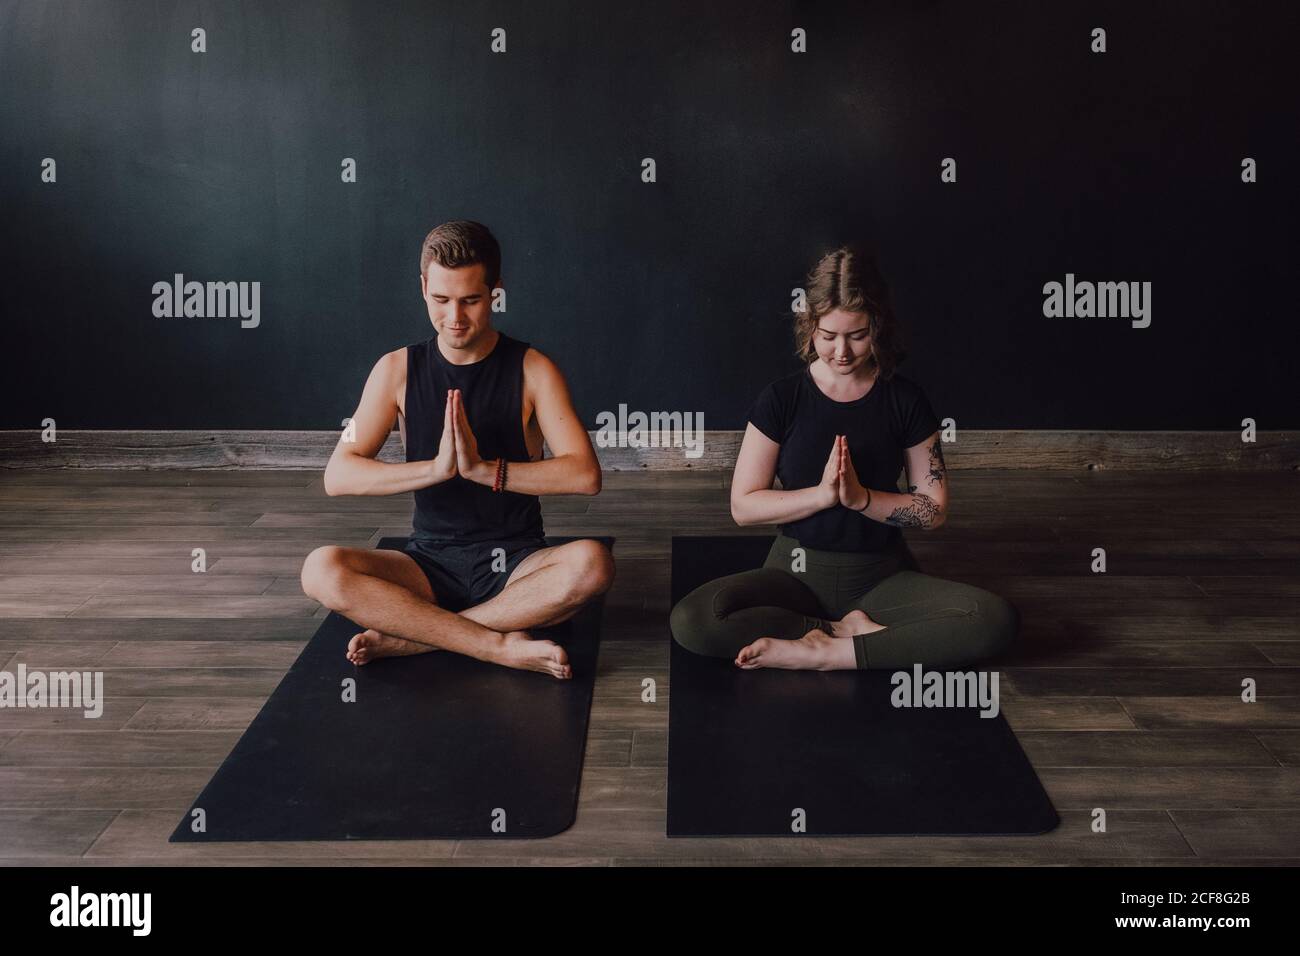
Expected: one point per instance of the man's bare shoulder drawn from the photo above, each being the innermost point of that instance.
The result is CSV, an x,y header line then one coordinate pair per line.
x,y
539,367
390,371
396,361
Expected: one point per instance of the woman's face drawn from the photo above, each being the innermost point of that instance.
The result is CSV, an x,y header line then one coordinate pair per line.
x,y
842,341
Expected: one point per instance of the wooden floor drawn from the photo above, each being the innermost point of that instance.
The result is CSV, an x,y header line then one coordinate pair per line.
x,y
1125,689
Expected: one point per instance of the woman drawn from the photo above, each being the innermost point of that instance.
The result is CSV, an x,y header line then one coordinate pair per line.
x,y
835,591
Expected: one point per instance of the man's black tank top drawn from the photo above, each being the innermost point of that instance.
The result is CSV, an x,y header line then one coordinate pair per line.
x,y
493,391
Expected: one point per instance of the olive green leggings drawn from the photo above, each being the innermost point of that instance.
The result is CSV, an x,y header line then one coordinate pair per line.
x,y
928,621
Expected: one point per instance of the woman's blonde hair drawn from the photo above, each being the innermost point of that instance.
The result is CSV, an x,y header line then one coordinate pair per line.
x,y
849,279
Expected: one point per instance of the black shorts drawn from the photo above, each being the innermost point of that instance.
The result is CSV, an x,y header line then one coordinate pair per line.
x,y
465,574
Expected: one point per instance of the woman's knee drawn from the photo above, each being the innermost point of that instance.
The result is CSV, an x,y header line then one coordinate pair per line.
x,y
699,621
999,624
708,620
690,621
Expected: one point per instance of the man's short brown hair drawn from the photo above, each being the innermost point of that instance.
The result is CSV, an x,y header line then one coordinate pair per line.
x,y
462,242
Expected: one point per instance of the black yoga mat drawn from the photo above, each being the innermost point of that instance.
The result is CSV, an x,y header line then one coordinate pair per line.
x,y
436,746
746,749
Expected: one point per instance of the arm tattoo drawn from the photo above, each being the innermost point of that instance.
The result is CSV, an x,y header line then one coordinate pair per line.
x,y
919,514
937,467
923,510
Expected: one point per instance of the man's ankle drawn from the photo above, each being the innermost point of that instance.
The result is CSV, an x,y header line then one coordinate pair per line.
x,y
494,647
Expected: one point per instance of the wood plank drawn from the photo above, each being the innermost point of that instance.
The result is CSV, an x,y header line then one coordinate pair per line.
x,y
634,654
161,478
88,585
193,605
1049,558
1064,713
624,713
94,788
1280,652
1208,625
1156,713
106,540
315,520
122,551
313,862
1116,531
190,681
1145,748
650,750
26,630
1134,834
117,711
275,655
56,655
143,832
38,605
1283,745
194,712
608,748
60,834
167,561
83,516
1132,589
1027,449
1170,788
1057,651
1156,682
945,859
1234,833
204,749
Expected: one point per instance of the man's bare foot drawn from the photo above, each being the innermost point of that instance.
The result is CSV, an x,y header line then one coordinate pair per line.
x,y
370,644
522,652
855,622
815,651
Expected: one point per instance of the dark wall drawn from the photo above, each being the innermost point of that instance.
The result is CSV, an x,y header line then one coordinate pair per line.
x,y
667,296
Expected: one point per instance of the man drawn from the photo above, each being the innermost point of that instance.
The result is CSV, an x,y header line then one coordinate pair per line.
x,y
474,406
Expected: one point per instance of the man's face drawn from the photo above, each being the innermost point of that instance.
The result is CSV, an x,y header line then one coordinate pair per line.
x,y
842,341
459,303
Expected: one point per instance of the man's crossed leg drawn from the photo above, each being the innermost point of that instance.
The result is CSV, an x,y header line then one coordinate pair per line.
x,y
387,593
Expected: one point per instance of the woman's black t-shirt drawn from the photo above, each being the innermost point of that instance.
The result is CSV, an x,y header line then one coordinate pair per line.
x,y
892,416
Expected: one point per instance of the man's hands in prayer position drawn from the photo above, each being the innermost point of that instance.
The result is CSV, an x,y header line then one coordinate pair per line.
x,y
468,462
444,463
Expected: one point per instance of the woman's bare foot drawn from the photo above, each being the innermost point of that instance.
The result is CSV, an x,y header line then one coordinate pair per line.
x,y
855,622
370,644
815,651
520,651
